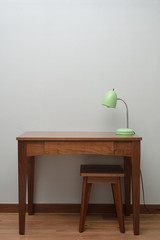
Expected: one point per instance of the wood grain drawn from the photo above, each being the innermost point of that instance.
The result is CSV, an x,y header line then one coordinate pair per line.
x,y
84,147
22,173
65,227
31,164
73,136
75,208
32,144
101,174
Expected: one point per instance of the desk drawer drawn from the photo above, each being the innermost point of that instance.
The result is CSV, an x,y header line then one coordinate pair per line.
x,y
84,147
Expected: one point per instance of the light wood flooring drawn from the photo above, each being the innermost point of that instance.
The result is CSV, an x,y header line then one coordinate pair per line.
x,y
65,226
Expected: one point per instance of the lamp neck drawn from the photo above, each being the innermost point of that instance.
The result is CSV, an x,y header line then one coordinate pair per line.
x,y
126,111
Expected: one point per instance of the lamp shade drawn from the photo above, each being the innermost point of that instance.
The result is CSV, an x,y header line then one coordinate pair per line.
x,y
110,99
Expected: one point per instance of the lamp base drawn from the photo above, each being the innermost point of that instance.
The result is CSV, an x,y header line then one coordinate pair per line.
x,y
125,131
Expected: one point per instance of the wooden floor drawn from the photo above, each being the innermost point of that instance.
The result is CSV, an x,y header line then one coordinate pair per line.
x,y
65,226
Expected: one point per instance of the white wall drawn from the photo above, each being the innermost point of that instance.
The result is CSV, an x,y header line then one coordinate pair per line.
x,y
58,58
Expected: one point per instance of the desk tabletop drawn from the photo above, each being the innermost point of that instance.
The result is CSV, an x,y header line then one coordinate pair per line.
x,y
76,136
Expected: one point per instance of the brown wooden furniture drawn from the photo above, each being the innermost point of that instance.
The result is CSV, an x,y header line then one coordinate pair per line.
x,y
32,144
102,174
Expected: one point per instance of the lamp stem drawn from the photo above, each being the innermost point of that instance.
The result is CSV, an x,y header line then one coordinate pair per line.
x,y
126,111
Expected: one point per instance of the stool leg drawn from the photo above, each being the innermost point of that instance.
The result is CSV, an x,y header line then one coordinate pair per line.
x,y
88,191
116,189
84,203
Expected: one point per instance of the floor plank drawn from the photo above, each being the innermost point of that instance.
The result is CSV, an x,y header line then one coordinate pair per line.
x,y
65,226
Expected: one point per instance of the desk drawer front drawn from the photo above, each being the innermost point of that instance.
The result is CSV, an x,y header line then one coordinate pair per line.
x,y
84,147
79,148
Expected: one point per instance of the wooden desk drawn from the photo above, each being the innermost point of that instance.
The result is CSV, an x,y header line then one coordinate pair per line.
x,y
31,144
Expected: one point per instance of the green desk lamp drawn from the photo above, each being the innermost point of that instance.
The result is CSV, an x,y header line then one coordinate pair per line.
x,y
110,100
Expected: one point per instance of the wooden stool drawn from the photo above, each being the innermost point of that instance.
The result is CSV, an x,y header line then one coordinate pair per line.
x,y
101,174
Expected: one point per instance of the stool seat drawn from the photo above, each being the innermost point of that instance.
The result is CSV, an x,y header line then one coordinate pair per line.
x,y
101,170
101,174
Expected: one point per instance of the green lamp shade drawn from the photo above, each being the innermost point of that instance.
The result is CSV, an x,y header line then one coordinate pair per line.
x,y
110,99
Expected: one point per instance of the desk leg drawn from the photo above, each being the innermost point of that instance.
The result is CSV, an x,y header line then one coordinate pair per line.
x,y
22,166
136,186
30,185
127,183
